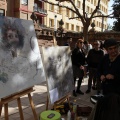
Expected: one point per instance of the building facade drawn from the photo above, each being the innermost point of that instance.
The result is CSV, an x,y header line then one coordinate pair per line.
x,y
23,9
3,7
55,14
50,15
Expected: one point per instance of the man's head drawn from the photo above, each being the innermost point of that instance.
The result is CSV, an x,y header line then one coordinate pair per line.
x,y
86,43
111,45
80,43
69,40
96,44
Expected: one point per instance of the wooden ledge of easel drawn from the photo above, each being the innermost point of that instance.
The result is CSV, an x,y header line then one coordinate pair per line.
x,y
62,99
16,96
59,101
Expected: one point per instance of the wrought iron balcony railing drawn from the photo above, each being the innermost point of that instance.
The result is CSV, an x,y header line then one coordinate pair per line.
x,y
40,10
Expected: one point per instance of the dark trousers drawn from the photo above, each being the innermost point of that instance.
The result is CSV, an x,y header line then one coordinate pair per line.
x,y
79,81
92,76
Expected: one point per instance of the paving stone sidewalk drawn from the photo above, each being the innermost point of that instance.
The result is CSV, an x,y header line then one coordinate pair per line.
x,y
39,97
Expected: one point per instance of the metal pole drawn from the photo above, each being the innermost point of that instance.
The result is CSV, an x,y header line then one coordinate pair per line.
x,y
55,22
55,29
102,23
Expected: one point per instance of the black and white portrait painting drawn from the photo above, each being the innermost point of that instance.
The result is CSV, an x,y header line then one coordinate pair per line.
x,y
58,69
20,60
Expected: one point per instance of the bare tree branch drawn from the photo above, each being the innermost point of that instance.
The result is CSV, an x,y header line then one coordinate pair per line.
x,y
84,8
58,4
95,10
85,19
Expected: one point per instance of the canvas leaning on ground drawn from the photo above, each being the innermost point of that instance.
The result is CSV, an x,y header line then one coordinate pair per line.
x,y
20,60
58,69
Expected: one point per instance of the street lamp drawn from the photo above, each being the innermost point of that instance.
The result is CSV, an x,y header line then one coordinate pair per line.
x,y
60,29
55,24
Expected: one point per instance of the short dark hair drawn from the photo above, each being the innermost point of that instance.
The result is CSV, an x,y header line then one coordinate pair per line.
x,y
86,42
68,38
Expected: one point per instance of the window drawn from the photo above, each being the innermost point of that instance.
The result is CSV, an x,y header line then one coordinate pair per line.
x,y
59,10
88,9
2,12
51,23
92,1
95,2
24,2
82,29
35,7
72,14
67,26
78,4
67,12
51,7
77,28
72,27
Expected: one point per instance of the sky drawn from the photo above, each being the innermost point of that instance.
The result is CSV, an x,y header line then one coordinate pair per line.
x,y
110,20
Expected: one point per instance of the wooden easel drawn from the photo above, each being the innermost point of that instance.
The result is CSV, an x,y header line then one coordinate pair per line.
x,y
60,101
6,100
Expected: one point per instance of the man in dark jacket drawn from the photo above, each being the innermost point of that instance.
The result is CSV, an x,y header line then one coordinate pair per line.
x,y
94,57
109,68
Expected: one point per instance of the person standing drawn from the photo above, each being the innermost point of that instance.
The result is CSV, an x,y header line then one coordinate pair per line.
x,y
109,68
69,41
93,59
87,47
78,61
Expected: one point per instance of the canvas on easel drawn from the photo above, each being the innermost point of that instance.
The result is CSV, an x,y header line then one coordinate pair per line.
x,y
59,73
20,60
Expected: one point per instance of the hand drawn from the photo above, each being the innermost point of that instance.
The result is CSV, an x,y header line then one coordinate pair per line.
x,y
102,77
109,76
82,67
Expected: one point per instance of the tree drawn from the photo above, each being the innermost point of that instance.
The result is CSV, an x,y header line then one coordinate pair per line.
x,y
85,19
116,14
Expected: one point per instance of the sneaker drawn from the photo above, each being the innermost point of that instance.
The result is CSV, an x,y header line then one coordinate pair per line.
x,y
88,91
95,98
74,94
79,92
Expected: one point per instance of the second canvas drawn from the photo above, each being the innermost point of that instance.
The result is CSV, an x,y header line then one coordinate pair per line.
x,y
59,73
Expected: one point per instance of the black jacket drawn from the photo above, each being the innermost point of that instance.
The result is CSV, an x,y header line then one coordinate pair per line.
x,y
78,57
107,67
94,57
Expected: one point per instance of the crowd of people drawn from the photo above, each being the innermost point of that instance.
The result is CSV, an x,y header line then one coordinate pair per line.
x,y
101,62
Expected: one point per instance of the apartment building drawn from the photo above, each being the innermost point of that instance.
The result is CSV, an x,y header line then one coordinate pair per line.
x,y
50,15
23,9
3,7
55,14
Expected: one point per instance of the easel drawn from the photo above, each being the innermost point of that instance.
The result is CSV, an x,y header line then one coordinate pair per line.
x,y
60,101
6,100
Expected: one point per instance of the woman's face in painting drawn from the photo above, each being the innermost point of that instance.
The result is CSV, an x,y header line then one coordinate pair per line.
x,y
12,37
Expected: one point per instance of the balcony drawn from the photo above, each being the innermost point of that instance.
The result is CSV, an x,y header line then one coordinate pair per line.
x,y
40,10
42,25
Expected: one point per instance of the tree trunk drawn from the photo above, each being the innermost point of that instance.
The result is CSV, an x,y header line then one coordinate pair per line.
x,y
85,32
